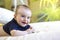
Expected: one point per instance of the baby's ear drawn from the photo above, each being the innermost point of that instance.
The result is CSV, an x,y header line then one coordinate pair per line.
x,y
14,15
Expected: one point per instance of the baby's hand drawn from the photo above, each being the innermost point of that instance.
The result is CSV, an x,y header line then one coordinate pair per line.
x,y
30,30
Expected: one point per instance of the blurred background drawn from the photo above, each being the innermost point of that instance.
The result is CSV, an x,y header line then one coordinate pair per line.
x,y
42,10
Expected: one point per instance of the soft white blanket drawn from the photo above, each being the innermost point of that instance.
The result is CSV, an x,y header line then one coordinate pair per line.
x,y
35,36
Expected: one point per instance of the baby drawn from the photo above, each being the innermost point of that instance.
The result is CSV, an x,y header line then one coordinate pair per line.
x,y
19,25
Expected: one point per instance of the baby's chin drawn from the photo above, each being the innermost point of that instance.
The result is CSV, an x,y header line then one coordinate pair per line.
x,y
23,25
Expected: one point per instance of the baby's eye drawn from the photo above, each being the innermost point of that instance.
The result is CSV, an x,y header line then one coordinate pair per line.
x,y
28,17
22,16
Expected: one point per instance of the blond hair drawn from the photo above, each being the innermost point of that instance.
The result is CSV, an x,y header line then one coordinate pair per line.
x,y
18,6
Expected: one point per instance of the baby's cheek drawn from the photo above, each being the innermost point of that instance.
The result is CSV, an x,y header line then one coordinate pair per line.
x,y
28,21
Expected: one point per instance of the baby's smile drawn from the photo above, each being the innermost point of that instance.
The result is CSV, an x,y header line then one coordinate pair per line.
x,y
24,22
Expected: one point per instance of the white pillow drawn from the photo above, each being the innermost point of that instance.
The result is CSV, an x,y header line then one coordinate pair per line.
x,y
5,15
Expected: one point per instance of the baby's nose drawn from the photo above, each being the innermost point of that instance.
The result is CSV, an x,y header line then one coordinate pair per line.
x,y
25,19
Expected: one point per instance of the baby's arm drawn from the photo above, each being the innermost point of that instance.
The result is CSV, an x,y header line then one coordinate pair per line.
x,y
18,33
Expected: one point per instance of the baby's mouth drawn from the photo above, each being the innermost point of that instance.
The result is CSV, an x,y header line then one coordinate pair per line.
x,y
24,22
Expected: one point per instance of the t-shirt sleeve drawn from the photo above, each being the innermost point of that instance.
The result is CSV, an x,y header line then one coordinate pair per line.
x,y
12,27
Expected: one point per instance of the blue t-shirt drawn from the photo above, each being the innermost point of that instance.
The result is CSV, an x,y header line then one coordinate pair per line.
x,y
13,25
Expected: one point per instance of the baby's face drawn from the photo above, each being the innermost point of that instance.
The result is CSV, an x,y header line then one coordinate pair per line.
x,y
23,16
